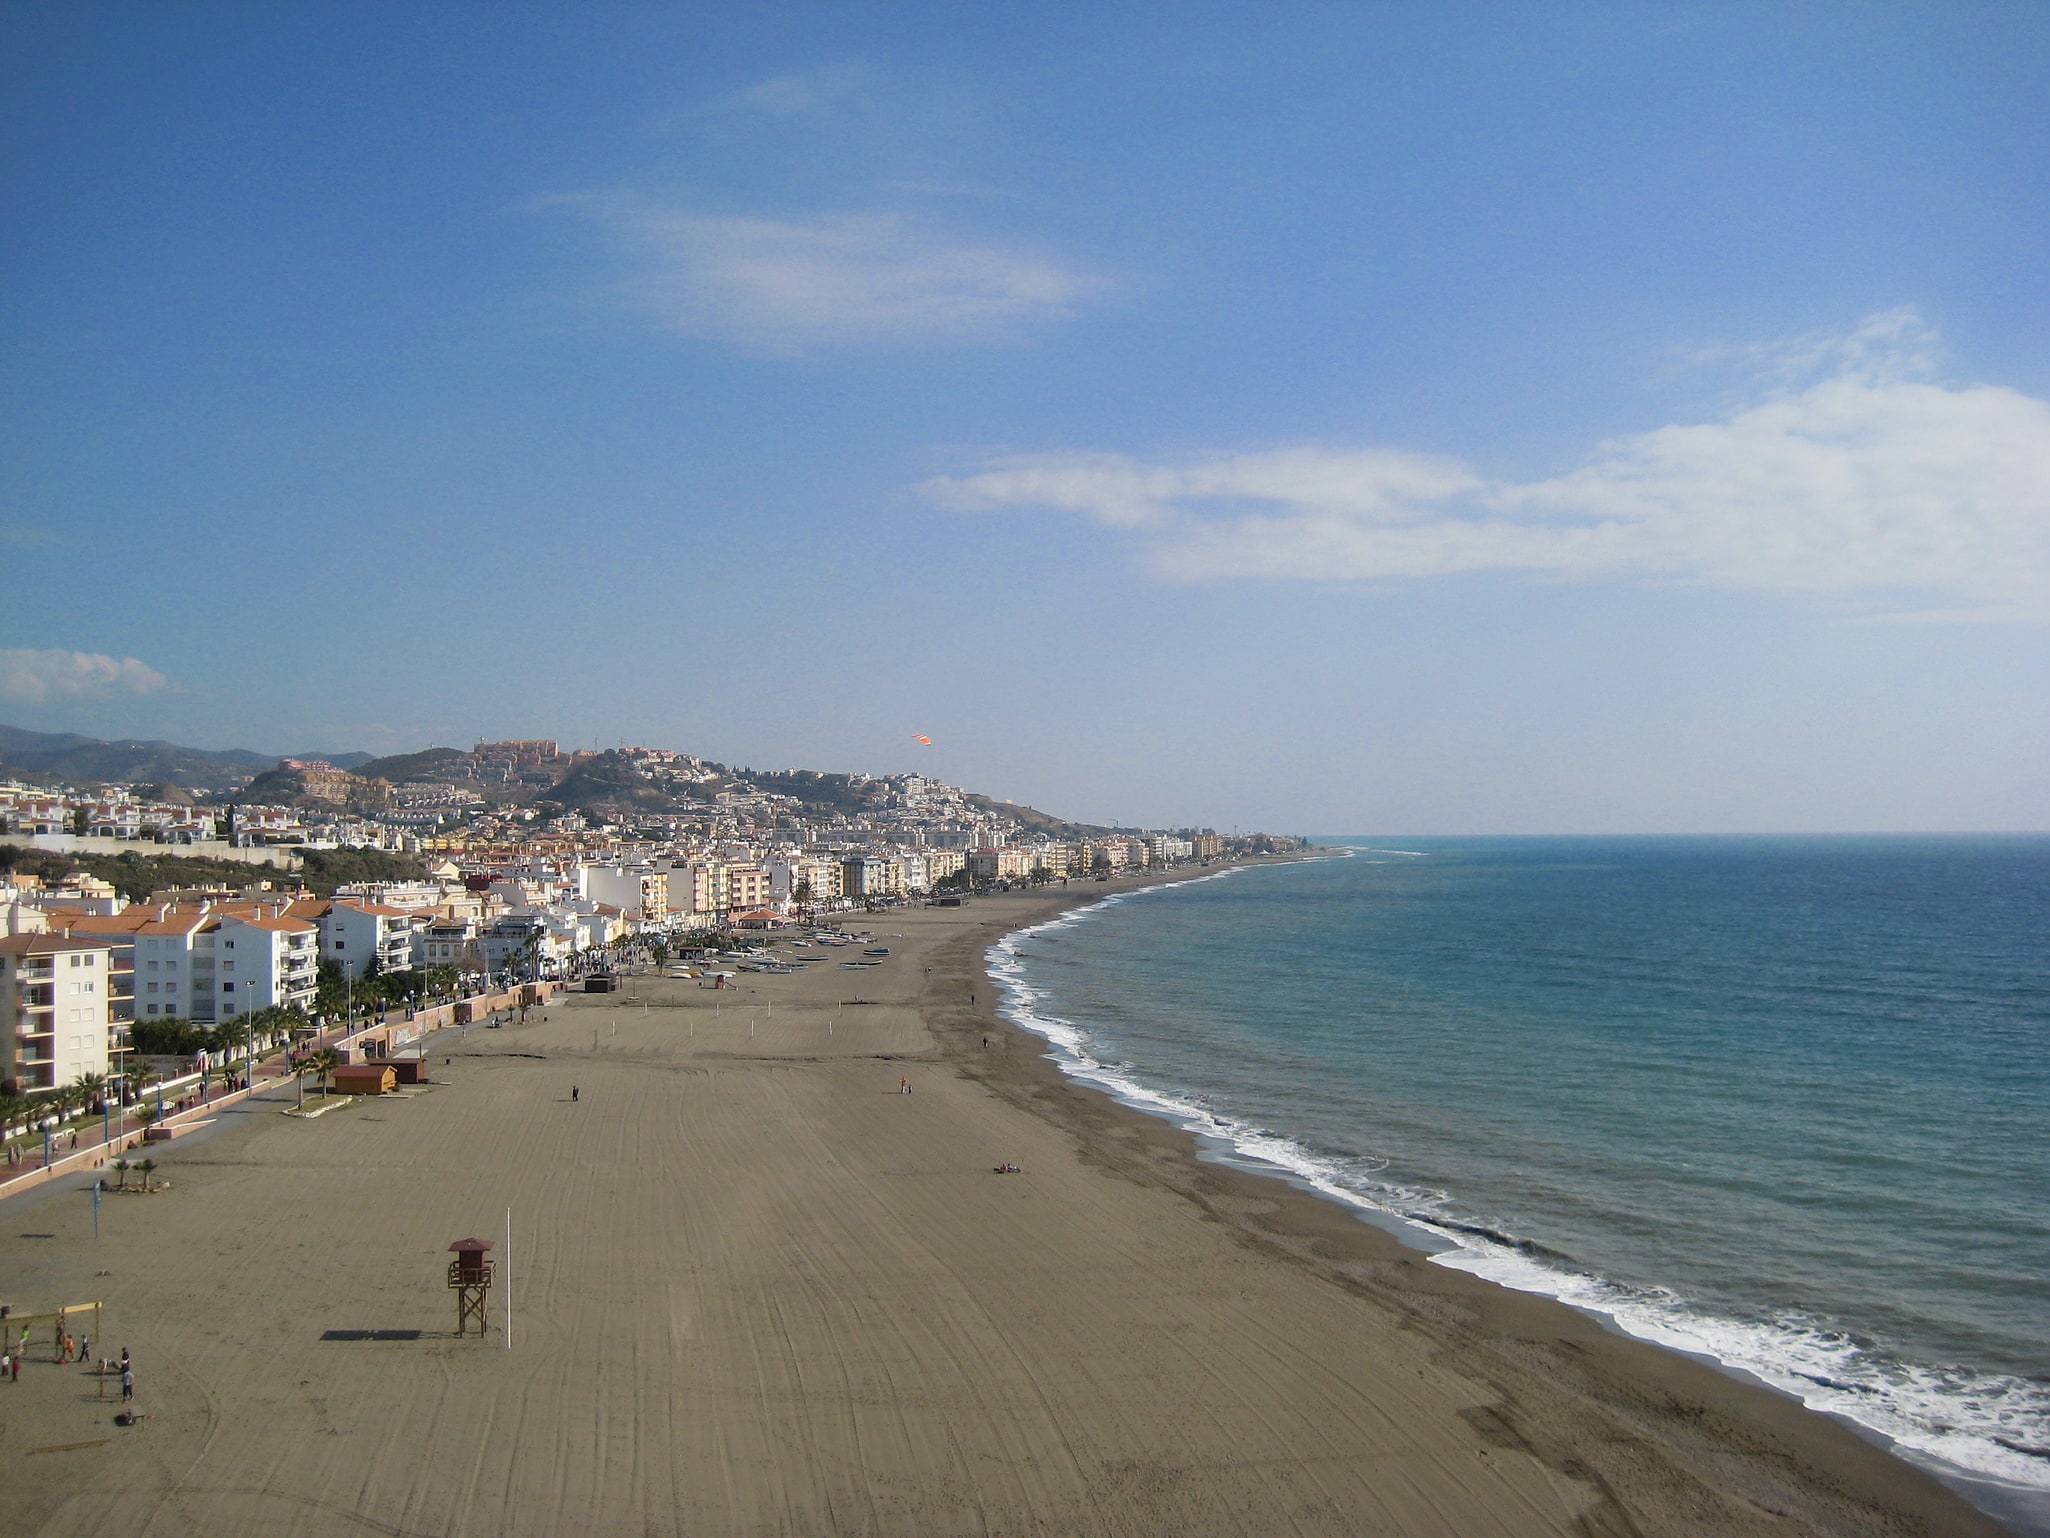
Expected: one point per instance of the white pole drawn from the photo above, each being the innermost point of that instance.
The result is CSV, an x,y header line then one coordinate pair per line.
x,y
508,1278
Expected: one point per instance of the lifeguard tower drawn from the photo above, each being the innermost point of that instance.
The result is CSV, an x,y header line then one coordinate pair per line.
x,y
469,1277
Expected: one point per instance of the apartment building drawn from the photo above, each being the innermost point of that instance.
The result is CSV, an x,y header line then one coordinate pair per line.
x,y
1008,864
868,876
445,942
638,890
53,1005
746,887
173,969
361,938
942,863
521,944
263,959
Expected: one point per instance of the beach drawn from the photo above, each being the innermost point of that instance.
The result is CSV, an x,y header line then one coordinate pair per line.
x,y
756,1288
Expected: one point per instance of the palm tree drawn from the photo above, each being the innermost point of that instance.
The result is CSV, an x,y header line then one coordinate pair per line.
x,y
92,1089
62,1100
148,1168
230,1034
121,1168
325,1062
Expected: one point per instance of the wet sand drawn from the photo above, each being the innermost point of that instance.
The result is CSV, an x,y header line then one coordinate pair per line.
x,y
758,1290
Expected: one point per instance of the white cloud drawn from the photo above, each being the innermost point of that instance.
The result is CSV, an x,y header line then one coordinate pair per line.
x,y
805,92
782,285
1366,485
37,677
1868,481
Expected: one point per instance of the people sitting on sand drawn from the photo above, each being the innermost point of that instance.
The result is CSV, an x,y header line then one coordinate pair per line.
x,y
1009,1169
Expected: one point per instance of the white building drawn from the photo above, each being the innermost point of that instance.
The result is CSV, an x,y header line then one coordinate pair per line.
x,y
54,993
364,938
168,966
262,960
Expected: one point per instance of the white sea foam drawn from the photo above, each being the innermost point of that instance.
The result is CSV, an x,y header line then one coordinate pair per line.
x,y
1992,1427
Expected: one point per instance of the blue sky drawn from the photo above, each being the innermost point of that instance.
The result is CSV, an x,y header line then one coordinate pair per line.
x,y
1473,418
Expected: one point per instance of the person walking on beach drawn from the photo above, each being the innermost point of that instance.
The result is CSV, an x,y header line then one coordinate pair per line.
x,y
572,1094
127,1383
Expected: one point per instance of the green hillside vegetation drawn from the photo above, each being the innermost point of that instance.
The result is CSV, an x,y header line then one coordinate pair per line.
x,y
135,875
427,764
326,869
1034,820
610,780
838,792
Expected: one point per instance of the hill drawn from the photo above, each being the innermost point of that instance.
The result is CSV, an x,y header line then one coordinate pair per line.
x,y
611,783
68,757
1034,820
427,764
77,760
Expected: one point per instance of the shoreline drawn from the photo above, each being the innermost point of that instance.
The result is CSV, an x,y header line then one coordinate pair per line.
x,y
1834,1448
762,1288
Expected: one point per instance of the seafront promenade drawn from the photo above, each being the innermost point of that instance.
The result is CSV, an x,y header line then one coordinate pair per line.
x,y
197,1102
755,1288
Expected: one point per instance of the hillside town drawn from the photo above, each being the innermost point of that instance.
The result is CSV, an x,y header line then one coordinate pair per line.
x,y
512,862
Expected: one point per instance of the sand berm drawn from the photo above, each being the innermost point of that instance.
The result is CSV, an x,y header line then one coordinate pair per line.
x,y
756,1289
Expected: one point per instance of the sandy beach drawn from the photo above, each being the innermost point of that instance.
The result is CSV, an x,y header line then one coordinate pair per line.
x,y
758,1289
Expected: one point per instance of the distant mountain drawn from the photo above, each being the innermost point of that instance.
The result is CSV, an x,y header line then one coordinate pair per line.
x,y
607,782
67,756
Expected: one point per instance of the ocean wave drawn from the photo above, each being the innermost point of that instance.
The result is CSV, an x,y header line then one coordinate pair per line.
x,y
1990,1426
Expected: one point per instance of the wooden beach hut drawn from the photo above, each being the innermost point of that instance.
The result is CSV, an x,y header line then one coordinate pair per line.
x,y
365,1079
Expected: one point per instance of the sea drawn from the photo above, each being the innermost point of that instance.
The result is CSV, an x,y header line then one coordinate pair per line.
x,y
1783,1103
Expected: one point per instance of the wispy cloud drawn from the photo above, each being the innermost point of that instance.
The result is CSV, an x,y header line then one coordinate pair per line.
x,y
804,92
37,677
1870,479
788,285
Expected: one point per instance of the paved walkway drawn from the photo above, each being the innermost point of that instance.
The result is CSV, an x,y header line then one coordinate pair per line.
x,y
100,1141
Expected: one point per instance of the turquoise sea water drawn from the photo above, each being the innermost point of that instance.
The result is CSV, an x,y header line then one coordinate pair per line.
x,y
1785,1102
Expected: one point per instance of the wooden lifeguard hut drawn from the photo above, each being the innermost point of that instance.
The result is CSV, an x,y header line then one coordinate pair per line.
x,y
469,1277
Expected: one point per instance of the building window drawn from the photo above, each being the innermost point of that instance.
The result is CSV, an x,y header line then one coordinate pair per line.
x,y
227,987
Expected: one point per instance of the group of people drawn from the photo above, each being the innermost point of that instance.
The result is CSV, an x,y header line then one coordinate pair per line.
x,y
69,1350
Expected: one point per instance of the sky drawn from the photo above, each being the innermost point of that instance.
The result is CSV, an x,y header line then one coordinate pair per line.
x,y
1328,418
